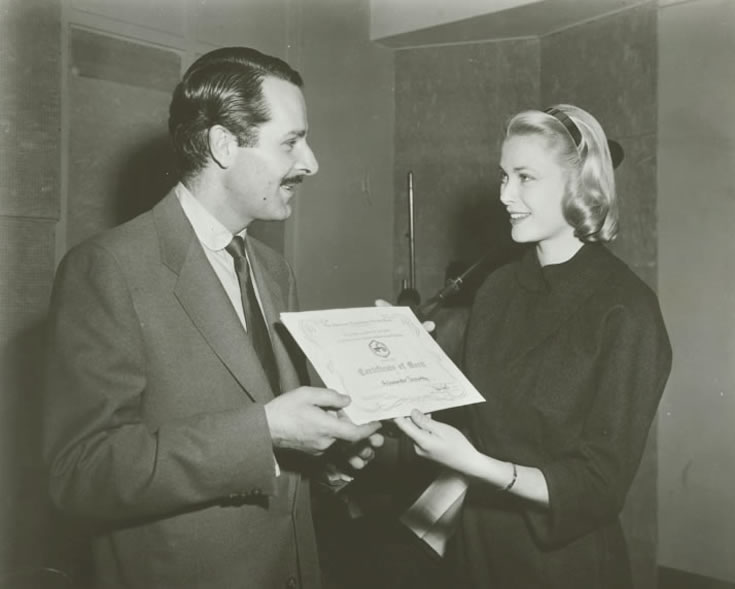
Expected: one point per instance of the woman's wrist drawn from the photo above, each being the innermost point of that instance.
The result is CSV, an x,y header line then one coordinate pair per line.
x,y
514,478
476,465
500,474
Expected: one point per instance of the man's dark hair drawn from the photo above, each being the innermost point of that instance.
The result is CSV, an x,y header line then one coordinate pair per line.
x,y
223,87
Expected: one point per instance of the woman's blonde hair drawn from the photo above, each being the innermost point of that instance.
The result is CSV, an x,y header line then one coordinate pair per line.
x,y
590,204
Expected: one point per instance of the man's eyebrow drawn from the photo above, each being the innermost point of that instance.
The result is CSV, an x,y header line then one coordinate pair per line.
x,y
299,133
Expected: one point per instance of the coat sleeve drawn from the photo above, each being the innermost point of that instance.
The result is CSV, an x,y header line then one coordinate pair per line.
x,y
104,460
589,483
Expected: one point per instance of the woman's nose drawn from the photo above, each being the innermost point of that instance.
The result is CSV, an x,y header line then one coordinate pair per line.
x,y
507,193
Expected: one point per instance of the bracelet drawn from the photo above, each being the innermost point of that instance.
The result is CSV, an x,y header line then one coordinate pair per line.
x,y
509,486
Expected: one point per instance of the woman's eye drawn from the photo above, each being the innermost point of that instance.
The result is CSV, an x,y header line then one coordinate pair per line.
x,y
524,178
503,178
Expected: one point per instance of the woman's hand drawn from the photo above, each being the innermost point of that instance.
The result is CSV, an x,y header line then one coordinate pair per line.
x,y
439,442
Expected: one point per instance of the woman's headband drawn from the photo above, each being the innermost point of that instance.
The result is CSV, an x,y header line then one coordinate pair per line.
x,y
568,123
616,150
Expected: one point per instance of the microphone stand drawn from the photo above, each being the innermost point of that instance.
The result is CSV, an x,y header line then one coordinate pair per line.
x,y
409,296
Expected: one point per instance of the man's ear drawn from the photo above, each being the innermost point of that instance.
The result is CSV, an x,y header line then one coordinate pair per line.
x,y
222,146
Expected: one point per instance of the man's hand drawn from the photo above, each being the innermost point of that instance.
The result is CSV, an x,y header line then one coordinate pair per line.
x,y
308,419
343,459
357,455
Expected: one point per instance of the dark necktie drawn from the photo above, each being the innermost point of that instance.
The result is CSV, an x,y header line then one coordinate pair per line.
x,y
256,328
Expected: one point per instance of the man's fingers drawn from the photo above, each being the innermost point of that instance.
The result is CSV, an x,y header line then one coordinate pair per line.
x,y
367,453
376,440
368,429
356,462
361,459
348,431
429,326
382,303
329,399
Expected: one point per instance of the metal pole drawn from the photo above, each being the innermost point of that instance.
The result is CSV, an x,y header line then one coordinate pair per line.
x,y
411,235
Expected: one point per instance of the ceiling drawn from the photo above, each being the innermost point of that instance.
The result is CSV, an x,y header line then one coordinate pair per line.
x,y
501,19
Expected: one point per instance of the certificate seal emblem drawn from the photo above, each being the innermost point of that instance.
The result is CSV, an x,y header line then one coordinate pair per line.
x,y
379,348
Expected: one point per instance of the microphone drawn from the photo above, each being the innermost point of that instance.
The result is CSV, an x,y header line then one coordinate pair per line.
x,y
426,310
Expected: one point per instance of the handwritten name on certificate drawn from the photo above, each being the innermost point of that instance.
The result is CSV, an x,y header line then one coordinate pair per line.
x,y
382,358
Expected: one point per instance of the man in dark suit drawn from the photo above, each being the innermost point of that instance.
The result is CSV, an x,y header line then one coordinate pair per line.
x,y
175,422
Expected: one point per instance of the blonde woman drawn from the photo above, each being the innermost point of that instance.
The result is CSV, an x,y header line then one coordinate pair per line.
x,y
569,349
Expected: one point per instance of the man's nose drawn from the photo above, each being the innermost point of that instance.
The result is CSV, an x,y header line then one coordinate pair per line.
x,y
307,164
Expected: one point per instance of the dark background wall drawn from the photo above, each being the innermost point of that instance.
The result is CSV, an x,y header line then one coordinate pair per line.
x,y
340,238
696,177
30,174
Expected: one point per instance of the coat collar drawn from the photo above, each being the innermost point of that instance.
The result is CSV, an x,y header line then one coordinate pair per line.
x,y
590,264
558,291
204,300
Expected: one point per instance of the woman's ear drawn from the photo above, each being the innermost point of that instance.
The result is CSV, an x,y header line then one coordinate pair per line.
x,y
222,146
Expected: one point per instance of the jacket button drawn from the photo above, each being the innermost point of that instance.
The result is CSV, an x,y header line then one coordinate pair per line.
x,y
291,583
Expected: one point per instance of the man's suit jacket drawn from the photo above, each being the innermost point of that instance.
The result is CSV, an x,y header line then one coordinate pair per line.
x,y
154,421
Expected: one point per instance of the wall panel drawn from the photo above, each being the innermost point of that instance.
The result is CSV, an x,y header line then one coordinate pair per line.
x,y
254,23
451,105
26,270
30,108
162,15
120,159
697,280
607,66
340,238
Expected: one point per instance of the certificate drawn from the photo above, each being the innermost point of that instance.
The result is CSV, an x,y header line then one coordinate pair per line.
x,y
382,358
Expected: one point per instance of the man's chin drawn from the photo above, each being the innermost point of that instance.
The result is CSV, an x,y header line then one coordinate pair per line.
x,y
283,213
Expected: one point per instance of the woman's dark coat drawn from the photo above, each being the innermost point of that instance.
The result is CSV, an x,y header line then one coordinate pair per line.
x,y
572,359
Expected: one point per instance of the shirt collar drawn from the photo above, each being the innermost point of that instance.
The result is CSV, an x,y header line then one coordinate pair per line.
x,y
210,232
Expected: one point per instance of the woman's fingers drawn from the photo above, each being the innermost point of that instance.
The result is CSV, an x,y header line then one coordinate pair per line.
x,y
423,421
408,427
419,428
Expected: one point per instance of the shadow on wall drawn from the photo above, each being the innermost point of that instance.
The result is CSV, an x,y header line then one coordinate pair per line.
x,y
31,526
480,234
484,229
145,177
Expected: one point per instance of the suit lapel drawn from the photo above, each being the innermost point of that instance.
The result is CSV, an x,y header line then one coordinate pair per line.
x,y
201,295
